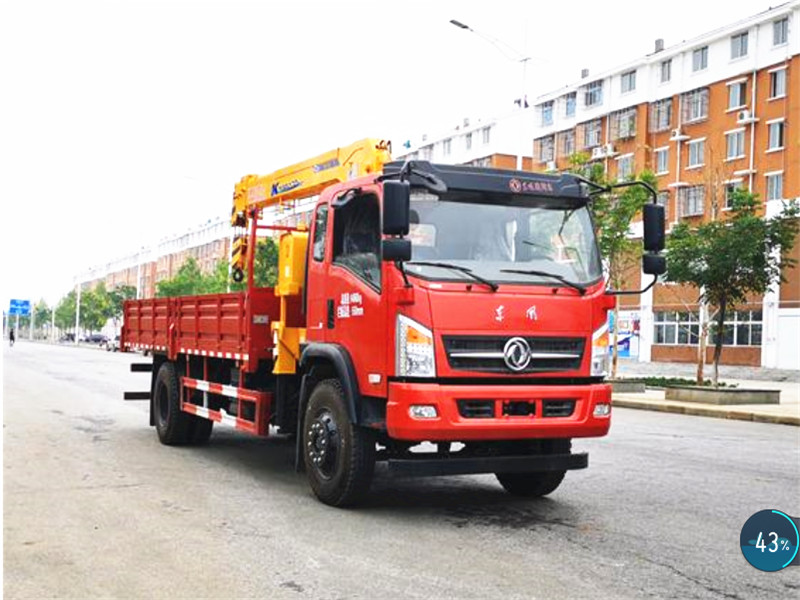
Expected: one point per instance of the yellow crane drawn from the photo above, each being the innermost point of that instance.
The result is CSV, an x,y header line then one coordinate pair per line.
x,y
301,180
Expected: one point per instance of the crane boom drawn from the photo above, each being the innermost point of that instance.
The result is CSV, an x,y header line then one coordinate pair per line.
x,y
301,180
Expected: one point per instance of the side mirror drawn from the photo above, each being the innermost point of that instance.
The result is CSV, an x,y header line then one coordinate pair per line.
x,y
654,236
654,264
393,250
396,202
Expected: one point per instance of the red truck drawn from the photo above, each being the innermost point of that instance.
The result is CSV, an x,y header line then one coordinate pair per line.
x,y
460,306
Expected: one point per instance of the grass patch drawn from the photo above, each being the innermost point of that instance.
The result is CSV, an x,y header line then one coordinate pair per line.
x,y
677,382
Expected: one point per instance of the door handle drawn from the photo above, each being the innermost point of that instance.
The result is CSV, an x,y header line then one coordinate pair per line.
x,y
331,314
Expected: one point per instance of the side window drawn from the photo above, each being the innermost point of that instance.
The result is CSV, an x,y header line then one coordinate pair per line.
x,y
357,238
320,228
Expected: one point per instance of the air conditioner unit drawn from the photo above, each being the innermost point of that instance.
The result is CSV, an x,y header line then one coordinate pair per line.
x,y
551,165
598,152
744,116
677,134
609,150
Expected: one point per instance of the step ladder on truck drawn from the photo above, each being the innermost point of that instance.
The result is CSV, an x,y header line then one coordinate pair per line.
x,y
445,320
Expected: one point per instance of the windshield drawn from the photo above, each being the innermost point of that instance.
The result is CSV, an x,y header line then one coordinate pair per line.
x,y
492,234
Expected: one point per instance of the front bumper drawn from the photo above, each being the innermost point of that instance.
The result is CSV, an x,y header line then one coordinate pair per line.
x,y
450,425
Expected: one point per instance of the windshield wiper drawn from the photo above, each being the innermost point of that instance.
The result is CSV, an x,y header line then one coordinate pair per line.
x,y
459,268
560,278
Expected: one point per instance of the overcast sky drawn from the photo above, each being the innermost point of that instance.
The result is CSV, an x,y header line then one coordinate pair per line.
x,y
124,122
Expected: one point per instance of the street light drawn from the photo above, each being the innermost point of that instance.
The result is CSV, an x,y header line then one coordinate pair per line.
x,y
513,55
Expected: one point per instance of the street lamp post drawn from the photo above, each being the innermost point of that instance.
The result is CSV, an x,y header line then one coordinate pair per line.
x,y
514,56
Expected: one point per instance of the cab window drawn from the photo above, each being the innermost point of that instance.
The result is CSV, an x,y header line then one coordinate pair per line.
x,y
357,239
320,228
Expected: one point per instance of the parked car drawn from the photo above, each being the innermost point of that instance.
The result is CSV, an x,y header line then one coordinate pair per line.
x,y
95,338
67,337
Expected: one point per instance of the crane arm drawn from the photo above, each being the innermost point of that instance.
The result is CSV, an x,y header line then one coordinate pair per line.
x,y
301,180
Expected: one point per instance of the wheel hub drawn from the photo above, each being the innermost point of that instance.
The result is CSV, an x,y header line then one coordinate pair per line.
x,y
322,443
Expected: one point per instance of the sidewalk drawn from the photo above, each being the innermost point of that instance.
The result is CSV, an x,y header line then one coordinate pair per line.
x,y
786,413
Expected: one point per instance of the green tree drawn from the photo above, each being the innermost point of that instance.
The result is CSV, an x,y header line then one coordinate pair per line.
x,y
188,281
65,311
733,258
116,298
95,307
266,265
613,213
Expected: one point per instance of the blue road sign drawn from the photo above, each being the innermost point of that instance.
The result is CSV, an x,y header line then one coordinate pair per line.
x,y
20,307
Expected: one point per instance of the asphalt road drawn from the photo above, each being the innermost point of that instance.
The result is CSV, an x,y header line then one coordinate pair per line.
x,y
94,507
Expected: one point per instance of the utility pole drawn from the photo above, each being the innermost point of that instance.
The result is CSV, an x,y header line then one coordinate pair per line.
x,y
77,311
514,55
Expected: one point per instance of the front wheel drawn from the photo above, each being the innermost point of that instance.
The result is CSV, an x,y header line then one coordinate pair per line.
x,y
538,483
339,456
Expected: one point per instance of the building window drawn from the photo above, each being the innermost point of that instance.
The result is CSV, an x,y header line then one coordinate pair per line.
x,y
775,186
730,189
591,134
666,70
468,141
628,81
734,144
547,113
780,31
546,147
695,105
661,115
741,328
426,152
691,200
739,45
700,59
662,199
776,131
697,150
569,103
485,135
672,327
446,144
777,83
737,94
568,143
623,124
662,161
625,167
593,95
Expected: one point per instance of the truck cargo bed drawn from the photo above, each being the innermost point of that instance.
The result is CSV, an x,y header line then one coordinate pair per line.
x,y
235,325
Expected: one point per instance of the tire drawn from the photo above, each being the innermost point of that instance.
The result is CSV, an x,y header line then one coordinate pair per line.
x,y
339,456
537,483
175,427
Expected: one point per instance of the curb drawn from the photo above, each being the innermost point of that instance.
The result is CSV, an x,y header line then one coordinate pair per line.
x,y
706,411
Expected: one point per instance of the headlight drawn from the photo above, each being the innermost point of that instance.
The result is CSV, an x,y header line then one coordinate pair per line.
x,y
600,352
414,349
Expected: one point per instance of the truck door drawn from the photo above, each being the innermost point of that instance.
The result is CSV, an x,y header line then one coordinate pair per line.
x,y
317,275
354,288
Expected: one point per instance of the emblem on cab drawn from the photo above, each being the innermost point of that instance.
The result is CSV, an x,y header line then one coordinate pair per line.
x,y
517,354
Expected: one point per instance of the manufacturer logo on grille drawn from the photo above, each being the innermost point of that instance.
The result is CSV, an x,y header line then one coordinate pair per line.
x,y
517,354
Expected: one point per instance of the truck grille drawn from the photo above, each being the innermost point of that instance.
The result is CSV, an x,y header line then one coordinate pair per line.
x,y
485,353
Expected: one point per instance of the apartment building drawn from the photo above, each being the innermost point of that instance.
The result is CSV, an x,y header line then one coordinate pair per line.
x,y
207,243
708,115
498,143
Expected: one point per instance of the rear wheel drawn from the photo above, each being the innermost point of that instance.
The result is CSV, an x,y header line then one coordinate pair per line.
x,y
339,456
537,483
175,427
